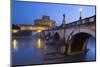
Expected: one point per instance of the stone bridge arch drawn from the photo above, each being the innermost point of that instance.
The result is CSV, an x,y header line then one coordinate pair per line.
x,y
77,41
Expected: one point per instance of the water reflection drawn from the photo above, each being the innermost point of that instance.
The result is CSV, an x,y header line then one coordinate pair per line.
x,y
91,46
14,43
38,43
37,51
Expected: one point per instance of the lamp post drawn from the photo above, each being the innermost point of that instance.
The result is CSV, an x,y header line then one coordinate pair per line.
x,y
80,19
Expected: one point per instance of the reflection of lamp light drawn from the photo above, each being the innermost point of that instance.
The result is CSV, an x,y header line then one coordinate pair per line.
x,y
14,43
38,43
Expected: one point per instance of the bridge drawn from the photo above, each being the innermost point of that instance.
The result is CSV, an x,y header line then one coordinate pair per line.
x,y
76,34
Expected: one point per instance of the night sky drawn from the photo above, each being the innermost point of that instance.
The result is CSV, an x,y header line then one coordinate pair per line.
x,y
27,12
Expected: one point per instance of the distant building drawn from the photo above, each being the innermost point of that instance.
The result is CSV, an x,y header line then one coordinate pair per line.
x,y
45,21
40,24
26,27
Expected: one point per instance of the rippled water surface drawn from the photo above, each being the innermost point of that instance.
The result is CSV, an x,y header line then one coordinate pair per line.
x,y
27,50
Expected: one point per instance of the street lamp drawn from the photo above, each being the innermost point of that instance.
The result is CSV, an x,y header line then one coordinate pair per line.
x,y
80,19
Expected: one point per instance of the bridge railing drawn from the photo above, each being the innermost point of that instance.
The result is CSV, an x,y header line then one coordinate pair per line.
x,y
86,21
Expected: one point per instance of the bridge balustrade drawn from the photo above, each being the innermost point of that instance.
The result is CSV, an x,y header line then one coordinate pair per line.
x,y
92,19
85,21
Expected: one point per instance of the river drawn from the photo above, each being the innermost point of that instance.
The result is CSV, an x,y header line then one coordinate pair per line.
x,y
33,50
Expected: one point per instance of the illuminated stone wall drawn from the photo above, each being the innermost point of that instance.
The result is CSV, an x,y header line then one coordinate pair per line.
x,y
45,21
